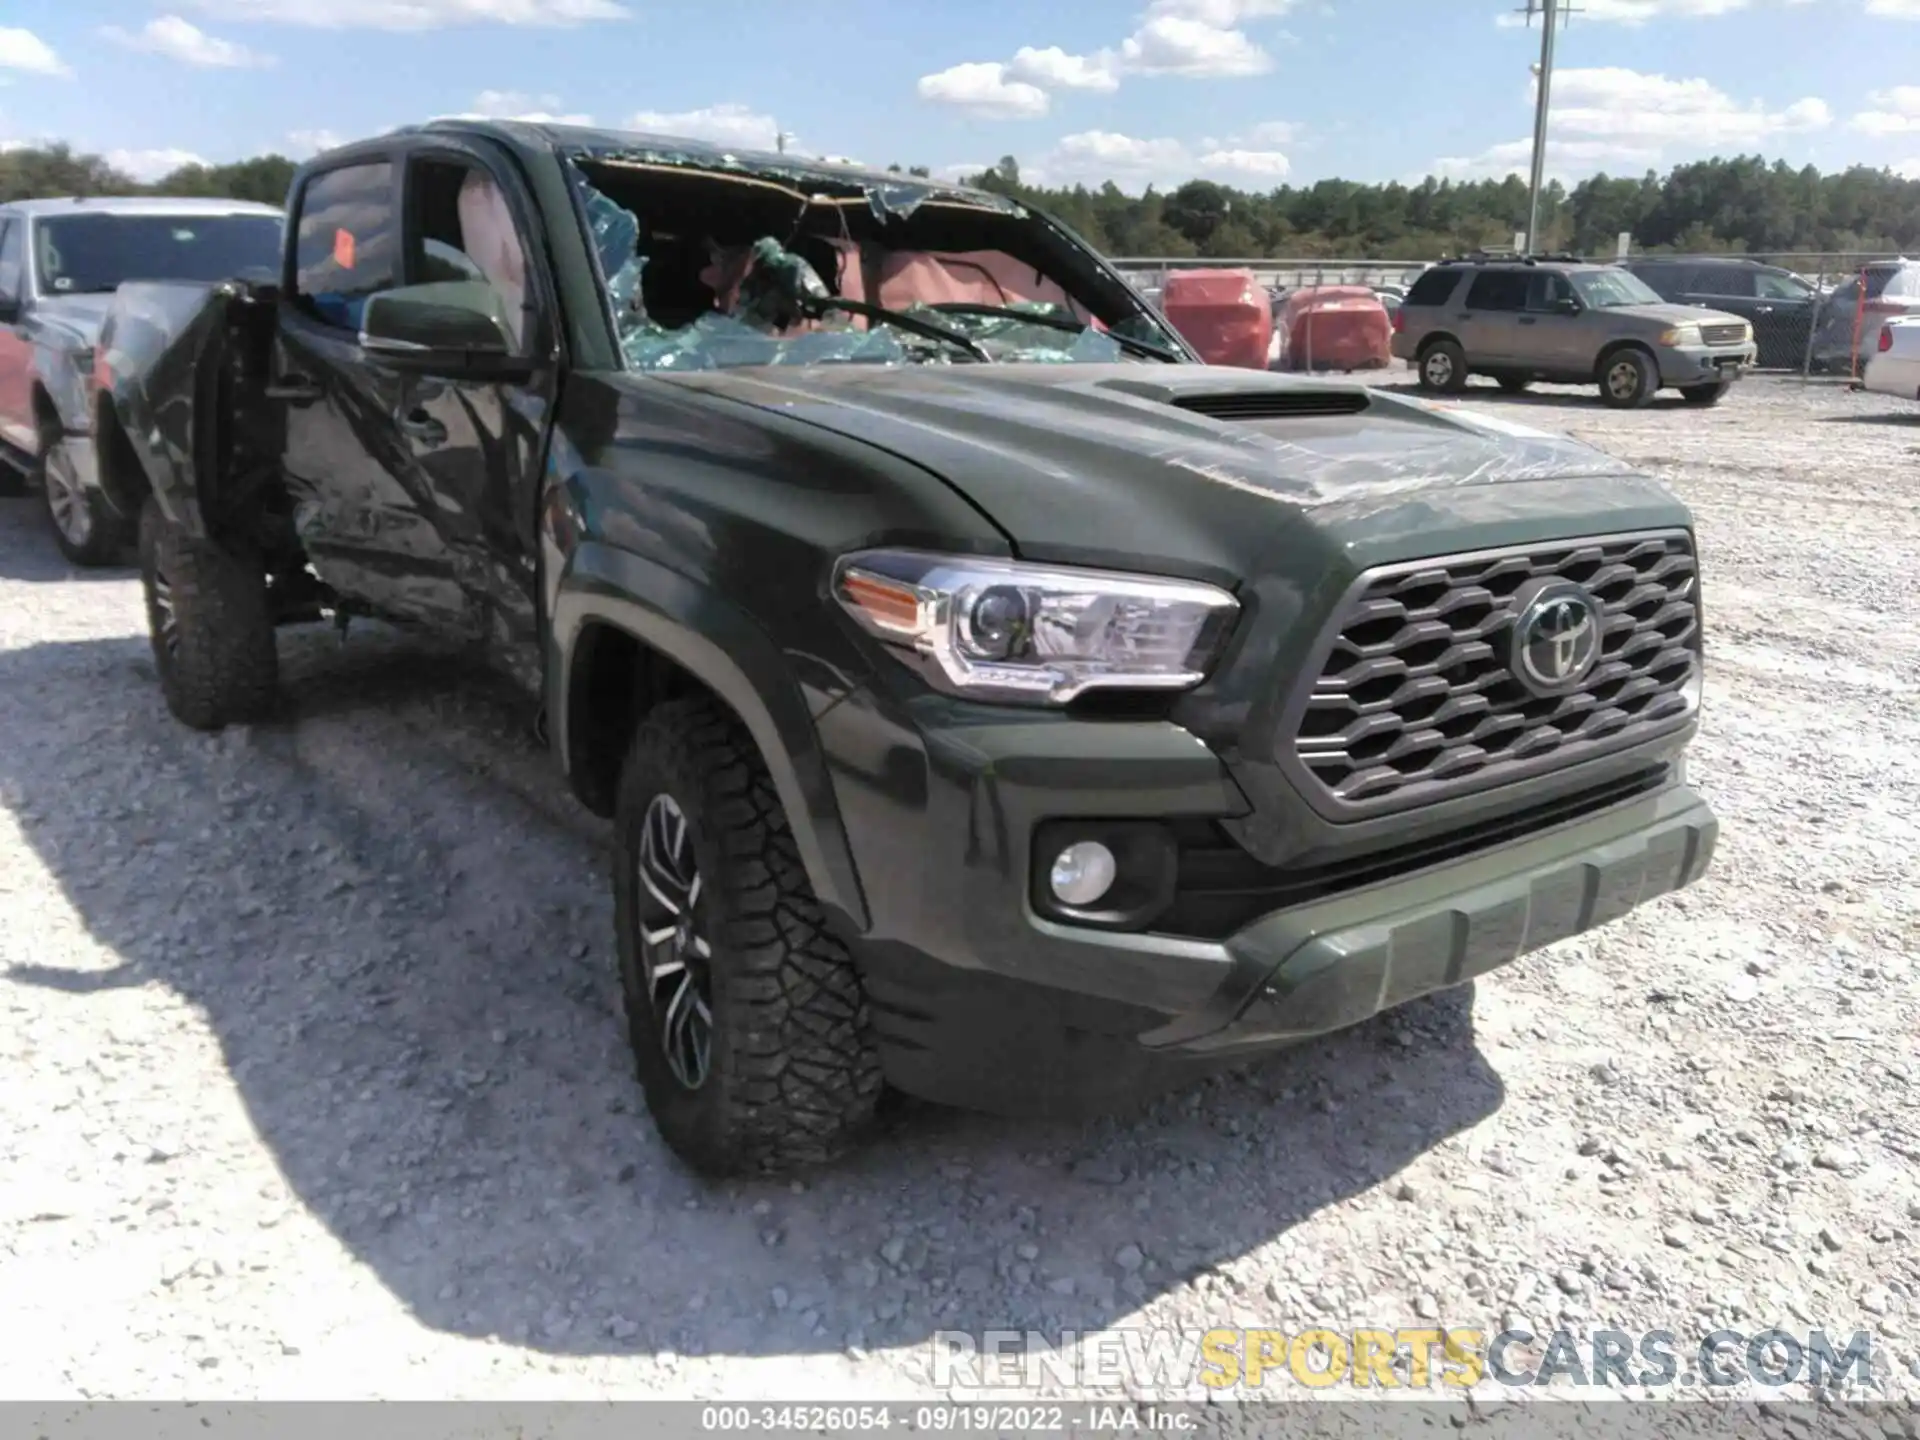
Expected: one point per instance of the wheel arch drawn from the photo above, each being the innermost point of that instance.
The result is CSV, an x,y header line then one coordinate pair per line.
x,y
1427,342
1614,347
628,633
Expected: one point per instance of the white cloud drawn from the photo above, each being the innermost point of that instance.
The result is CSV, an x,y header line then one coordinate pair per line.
x,y
1566,160
1179,45
1093,157
1253,164
1194,39
1054,69
416,14
1908,169
304,143
517,105
1625,121
730,124
1612,102
985,88
181,40
24,50
1898,9
150,165
1895,111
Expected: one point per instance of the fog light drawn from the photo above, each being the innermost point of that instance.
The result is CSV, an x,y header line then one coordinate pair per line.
x,y
1082,873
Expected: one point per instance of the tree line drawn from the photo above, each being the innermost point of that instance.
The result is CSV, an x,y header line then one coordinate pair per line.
x,y
1742,205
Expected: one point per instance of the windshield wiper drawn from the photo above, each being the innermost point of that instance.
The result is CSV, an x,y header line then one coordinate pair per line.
x,y
900,318
1057,322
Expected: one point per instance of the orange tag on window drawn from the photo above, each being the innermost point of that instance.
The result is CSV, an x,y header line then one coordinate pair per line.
x,y
343,249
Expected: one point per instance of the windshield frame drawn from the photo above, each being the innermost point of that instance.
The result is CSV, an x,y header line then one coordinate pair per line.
x,y
45,288
1609,276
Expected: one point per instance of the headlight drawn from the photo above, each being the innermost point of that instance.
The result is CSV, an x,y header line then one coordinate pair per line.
x,y
1681,335
1002,629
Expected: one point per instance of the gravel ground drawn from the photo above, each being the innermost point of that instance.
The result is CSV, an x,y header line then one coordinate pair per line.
x,y
313,1084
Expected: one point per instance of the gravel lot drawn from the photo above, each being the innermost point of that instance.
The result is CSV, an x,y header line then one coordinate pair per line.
x,y
313,1084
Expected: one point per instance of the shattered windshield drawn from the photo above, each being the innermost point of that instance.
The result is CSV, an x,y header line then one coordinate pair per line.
x,y
868,274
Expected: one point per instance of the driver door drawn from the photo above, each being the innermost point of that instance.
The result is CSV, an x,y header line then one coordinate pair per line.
x,y
473,449
360,518
1556,340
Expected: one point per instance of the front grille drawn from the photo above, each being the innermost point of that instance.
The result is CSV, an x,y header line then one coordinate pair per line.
x,y
1723,334
1414,699
1276,404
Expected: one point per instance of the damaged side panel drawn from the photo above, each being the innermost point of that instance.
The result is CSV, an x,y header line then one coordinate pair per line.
x,y
180,371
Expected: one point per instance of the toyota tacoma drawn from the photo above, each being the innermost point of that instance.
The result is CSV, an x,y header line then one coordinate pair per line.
x,y
989,699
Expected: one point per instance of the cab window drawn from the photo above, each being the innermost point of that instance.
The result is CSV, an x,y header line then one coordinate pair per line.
x,y
346,244
12,252
1781,287
1547,289
1498,290
462,228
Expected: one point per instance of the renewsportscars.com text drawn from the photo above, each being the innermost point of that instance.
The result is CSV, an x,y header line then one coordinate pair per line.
x,y
1425,1358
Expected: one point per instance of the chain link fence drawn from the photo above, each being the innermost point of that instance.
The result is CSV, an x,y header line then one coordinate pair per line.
x,y
1814,313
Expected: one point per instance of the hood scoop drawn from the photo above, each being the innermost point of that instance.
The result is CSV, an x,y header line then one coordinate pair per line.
x,y
1275,404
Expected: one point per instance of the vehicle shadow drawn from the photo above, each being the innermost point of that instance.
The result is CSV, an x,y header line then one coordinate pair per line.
x,y
395,923
27,551
1899,419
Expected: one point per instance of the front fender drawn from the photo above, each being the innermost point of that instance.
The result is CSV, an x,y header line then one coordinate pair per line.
x,y
725,649
157,361
56,364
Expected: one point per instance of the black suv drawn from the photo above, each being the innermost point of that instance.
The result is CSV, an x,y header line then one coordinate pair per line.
x,y
988,697
1780,305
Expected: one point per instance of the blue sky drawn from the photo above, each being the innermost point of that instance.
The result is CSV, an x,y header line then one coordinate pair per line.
x,y
1142,91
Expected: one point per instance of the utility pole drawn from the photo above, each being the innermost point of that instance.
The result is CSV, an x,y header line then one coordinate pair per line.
x,y
780,138
1549,12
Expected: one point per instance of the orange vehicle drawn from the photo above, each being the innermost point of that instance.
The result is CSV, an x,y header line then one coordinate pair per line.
x,y
1224,314
1335,327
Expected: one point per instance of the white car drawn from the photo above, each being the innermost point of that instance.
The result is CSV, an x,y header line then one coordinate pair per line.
x,y
1893,365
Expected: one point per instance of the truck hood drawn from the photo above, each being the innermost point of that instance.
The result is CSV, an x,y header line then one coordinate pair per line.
x,y
1667,314
77,316
1203,470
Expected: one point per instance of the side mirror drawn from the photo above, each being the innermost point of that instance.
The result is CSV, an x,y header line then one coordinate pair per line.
x,y
450,327
1570,306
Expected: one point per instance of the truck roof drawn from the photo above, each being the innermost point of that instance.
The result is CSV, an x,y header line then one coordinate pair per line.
x,y
703,154
137,205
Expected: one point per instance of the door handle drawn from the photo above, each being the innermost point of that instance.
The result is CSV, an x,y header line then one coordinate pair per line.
x,y
417,424
295,389
1763,310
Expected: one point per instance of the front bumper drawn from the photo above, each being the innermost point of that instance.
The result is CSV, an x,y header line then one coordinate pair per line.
x,y
1705,364
978,1000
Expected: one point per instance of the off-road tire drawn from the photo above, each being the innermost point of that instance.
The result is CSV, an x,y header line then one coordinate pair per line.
x,y
103,539
793,1076
1514,384
1705,394
219,666
1443,367
1618,394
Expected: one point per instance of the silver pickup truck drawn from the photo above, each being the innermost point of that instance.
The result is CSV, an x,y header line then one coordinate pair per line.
x,y
60,262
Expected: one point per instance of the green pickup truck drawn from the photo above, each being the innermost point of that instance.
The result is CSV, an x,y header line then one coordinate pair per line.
x,y
989,699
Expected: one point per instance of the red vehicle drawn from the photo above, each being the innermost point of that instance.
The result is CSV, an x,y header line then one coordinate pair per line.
x,y
1224,314
1334,327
